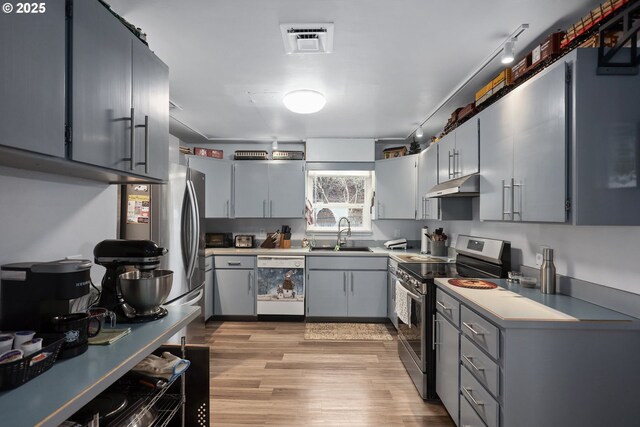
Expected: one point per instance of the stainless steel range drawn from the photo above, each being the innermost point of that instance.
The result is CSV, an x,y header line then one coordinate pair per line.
x,y
477,258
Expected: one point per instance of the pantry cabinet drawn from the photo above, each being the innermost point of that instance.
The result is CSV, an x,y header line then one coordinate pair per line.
x,y
273,189
217,185
458,151
32,86
396,185
119,96
339,286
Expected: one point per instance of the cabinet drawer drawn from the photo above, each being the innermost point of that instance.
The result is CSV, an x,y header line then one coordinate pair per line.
x,y
479,398
480,365
480,331
339,262
235,261
208,263
469,417
448,306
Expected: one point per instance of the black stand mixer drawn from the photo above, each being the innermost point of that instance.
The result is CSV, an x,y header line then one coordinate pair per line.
x,y
125,256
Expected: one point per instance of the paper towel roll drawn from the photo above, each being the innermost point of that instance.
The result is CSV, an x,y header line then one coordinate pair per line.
x,y
424,242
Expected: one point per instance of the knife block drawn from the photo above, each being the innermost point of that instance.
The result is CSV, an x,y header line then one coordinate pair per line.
x,y
268,243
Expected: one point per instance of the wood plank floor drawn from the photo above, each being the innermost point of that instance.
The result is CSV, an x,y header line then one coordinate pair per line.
x,y
267,374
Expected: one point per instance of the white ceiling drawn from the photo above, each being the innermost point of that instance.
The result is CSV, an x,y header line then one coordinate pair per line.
x,y
393,61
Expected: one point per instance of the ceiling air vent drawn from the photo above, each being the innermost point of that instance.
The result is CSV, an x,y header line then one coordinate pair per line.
x,y
307,38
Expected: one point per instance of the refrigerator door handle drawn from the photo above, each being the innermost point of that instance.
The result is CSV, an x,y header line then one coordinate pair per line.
x,y
196,233
185,229
193,230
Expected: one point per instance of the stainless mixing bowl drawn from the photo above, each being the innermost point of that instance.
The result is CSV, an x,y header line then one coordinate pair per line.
x,y
146,290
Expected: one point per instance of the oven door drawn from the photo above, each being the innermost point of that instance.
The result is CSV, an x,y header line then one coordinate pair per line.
x,y
414,336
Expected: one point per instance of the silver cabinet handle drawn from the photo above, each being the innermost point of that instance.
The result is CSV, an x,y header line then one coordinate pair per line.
x,y
516,212
379,210
234,263
456,169
352,282
428,209
132,138
146,142
270,208
504,187
250,277
227,209
264,208
473,365
344,281
450,157
444,307
468,391
470,327
433,332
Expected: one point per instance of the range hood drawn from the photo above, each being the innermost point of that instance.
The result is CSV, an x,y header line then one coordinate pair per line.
x,y
465,186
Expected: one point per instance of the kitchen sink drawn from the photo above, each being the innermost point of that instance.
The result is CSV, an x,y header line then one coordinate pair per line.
x,y
343,249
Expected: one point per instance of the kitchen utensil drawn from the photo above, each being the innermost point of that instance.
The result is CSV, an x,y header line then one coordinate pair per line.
x,y
107,405
100,314
438,248
75,327
514,277
145,291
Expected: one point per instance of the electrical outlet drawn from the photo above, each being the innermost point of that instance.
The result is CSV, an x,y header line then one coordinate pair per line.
x,y
538,260
396,232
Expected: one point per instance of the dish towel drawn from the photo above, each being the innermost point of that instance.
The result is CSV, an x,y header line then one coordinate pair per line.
x,y
403,308
166,367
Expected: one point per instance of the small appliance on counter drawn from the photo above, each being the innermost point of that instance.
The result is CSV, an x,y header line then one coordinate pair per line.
x,y
219,240
34,292
132,287
396,244
244,240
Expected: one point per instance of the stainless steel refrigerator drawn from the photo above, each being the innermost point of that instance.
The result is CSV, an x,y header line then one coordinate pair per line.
x,y
171,216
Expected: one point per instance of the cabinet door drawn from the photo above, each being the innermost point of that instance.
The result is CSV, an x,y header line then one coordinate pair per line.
x,y
251,189
217,185
32,87
427,179
150,95
367,294
396,181
447,365
446,147
234,293
496,160
286,189
466,150
101,88
208,294
327,293
391,297
540,149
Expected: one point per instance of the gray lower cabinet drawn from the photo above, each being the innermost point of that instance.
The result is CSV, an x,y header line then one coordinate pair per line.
x,y
217,185
334,290
234,286
268,189
119,93
396,186
447,364
392,268
33,80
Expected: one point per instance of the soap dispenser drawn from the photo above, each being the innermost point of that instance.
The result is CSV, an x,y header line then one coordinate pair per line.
x,y
547,272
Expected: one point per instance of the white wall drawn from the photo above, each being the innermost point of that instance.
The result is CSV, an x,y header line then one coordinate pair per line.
x,y
608,256
48,217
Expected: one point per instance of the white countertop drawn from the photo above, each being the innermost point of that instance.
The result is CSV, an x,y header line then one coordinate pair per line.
x,y
375,251
512,303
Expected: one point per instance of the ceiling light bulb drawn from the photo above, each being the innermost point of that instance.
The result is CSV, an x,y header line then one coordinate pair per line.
x,y
274,145
304,101
419,132
507,52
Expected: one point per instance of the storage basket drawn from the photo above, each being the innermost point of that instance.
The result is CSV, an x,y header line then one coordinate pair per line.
x,y
16,373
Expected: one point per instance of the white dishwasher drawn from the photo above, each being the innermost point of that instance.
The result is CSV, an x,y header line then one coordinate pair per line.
x,y
280,282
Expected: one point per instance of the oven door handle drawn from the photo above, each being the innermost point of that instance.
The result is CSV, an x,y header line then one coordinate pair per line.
x,y
409,291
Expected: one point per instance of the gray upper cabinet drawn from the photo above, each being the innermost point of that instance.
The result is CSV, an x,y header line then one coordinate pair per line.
x,y
120,96
458,151
396,186
272,189
217,187
33,80
523,154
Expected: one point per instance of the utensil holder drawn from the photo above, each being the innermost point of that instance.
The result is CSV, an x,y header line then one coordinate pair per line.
x,y
438,248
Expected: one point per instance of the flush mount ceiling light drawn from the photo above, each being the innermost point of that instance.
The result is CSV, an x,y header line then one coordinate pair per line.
x,y
507,52
304,101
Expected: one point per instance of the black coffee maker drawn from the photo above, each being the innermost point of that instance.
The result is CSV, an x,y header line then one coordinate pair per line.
x,y
120,256
31,293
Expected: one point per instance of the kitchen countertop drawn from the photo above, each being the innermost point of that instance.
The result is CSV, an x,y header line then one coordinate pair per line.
x,y
513,305
375,251
58,393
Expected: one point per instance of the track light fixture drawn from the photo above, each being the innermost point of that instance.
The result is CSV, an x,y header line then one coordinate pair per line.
x,y
419,132
508,52
274,145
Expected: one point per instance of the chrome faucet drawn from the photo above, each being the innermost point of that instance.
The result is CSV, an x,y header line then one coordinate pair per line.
x,y
341,241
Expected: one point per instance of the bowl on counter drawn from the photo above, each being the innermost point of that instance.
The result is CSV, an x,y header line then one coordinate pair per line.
x,y
146,290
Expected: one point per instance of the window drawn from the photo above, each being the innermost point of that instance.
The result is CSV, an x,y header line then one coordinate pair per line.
x,y
334,194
